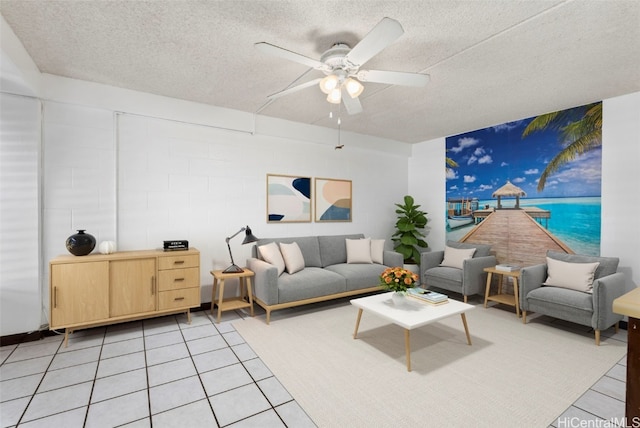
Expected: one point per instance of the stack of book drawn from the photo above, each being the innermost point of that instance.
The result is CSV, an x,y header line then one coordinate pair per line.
x,y
428,296
506,267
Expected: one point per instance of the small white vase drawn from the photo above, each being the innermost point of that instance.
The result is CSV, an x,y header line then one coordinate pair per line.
x,y
107,247
398,298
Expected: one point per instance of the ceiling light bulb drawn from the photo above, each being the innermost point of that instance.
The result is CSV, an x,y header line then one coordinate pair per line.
x,y
329,83
354,88
335,96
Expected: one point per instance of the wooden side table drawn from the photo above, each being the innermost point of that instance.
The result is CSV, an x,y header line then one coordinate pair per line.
x,y
507,299
244,280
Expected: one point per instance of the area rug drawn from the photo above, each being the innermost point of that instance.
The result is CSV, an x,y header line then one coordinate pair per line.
x,y
511,375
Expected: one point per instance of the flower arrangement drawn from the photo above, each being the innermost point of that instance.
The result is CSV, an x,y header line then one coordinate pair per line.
x,y
397,279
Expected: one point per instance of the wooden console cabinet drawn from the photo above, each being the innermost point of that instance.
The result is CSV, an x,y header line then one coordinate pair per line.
x,y
101,289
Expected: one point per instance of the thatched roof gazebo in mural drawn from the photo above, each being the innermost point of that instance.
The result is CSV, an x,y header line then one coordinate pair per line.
x,y
508,190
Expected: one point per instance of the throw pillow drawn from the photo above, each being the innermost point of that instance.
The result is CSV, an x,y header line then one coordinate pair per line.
x,y
359,250
575,276
377,251
270,253
293,259
455,257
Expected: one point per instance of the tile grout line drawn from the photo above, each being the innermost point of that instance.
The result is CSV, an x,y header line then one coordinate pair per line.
x,y
24,412
95,377
206,397
146,371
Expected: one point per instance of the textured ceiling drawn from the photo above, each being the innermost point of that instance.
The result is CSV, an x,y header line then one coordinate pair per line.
x,y
490,61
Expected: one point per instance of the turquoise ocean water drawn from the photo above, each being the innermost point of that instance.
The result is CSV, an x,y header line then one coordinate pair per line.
x,y
575,221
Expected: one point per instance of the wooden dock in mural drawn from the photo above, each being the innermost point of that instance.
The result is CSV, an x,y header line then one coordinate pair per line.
x,y
536,213
515,237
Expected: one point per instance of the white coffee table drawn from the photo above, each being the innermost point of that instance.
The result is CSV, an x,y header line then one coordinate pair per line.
x,y
410,314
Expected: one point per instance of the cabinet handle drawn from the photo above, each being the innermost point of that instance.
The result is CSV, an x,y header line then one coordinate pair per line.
x,y
55,297
178,262
153,285
178,279
178,299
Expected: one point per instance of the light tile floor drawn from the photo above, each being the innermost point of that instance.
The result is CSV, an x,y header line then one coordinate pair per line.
x,y
163,372
160,372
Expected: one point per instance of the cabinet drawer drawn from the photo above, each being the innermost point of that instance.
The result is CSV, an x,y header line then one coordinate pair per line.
x,y
174,279
178,261
184,298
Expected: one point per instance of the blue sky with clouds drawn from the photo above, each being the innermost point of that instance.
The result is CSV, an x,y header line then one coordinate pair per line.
x,y
488,157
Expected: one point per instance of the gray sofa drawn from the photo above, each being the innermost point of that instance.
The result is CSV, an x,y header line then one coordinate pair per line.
x,y
326,274
593,309
469,280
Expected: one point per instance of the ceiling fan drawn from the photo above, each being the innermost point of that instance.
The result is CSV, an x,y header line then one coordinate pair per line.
x,y
341,66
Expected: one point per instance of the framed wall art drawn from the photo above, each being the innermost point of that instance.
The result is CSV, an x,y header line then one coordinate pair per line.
x,y
333,200
288,199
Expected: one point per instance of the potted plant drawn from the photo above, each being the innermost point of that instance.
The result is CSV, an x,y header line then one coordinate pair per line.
x,y
408,237
398,280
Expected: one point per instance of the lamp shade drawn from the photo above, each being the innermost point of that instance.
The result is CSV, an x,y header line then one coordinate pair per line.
x,y
329,83
335,96
354,88
248,238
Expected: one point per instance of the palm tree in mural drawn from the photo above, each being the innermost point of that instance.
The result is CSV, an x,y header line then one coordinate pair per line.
x,y
577,136
449,163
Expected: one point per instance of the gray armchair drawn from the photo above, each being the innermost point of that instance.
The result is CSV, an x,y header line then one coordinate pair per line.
x,y
469,280
593,309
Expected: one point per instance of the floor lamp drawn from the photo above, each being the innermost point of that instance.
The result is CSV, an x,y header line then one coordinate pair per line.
x,y
247,239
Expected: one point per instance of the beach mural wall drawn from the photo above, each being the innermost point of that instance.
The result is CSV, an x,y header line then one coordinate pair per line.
x,y
528,186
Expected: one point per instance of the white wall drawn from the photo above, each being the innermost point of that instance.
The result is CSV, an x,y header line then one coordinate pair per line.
x,y
427,184
139,180
620,232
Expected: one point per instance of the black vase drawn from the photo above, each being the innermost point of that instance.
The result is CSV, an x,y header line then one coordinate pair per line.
x,y
81,244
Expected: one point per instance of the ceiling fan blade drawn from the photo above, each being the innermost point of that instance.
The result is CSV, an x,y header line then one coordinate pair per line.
x,y
381,36
294,89
270,49
393,77
352,105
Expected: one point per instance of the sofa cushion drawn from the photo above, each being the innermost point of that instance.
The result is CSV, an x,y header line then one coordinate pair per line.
x,y
575,276
608,265
358,275
270,253
455,257
293,260
482,250
377,251
563,297
358,250
569,305
443,275
333,248
308,284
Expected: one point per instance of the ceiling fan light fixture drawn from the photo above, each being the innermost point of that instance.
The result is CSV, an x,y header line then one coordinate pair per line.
x,y
353,87
329,83
335,96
